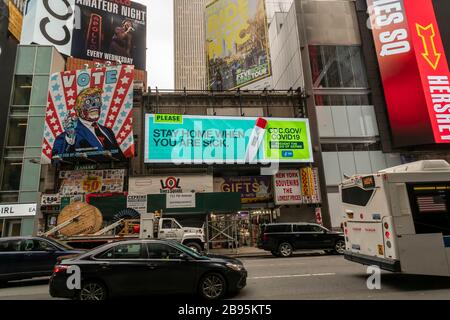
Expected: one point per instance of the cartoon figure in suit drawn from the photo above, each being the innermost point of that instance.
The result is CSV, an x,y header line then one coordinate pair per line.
x,y
83,133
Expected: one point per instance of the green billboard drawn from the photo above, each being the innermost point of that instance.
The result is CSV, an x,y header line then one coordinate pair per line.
x,y
182,139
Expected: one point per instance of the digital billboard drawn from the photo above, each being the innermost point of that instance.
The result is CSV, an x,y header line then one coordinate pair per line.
x,y
237,43
182,139
412,43
113,31
89,115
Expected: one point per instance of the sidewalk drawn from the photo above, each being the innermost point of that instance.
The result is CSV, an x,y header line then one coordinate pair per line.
x,y
243,252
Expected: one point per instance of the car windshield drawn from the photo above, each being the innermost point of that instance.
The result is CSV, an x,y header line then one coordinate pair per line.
x,y
187,250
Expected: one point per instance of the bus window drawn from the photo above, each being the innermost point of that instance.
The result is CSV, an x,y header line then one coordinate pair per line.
x,y
357,196
429,205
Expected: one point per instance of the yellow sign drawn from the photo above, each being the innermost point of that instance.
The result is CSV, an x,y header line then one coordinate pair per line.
x,y
92,184
236,43
15,20
430,55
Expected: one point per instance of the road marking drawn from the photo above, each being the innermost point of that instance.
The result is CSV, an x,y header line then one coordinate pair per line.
x,y
294,276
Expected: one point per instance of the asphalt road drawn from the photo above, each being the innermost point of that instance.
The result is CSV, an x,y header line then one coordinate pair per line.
x,y
303,277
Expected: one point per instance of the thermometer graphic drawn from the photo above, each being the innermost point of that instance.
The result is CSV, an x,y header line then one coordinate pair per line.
x,y
255,140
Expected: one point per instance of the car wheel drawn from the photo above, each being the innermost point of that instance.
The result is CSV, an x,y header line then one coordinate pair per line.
x,y
285,250
93,290
339,247
194,246
212,286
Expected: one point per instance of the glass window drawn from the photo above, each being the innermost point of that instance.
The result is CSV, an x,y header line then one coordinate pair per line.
x,y
9,246
357,196
11,176
43,246
44,56
22,90
125,252
279,228
40,91
337,67
162,251
342,100
25,59
28,245
167,224
17,132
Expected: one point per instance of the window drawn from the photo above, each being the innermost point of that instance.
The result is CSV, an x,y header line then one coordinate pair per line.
x,y
343,100
43,246
337,67
430,206
167,224
11,176
125,252
22,90
357,196
10,246
279,228
162,251
27,245
17,132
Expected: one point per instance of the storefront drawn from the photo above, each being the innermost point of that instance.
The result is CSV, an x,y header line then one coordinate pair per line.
x,y
17,219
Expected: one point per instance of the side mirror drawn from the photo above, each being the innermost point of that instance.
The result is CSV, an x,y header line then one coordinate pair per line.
x,y
50,250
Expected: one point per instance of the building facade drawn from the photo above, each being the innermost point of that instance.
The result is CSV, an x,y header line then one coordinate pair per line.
x,y
189,44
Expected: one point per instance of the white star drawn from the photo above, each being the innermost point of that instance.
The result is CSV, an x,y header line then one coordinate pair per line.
x,y
70,93
49,113
119,140
121,91
127,127
123,134
111,117
56,128
71,102
114,109
53,120
125,80
109,124
48,151
117,100
128,69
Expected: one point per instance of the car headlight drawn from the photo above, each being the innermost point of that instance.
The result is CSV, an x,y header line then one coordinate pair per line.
x,y
235,267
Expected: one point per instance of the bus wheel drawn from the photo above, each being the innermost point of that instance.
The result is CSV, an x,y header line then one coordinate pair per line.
x,y
339,247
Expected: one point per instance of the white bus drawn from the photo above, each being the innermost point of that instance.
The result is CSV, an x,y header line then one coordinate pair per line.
x,y
398,219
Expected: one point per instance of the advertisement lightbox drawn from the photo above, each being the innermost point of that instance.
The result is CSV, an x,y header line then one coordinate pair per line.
x,y
237,43
413,60
89,115
181,139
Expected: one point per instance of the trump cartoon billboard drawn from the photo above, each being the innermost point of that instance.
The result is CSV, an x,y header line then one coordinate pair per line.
x,y
89,116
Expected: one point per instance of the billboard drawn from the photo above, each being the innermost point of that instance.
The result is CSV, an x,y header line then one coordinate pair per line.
x,y
114,31
253,189
49,23
411,39
89,115
237,43
297,187
91,181
181,139
95,30
171,184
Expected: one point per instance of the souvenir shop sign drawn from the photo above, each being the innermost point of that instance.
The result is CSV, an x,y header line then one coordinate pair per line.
x,y
95,181
297,187
253,189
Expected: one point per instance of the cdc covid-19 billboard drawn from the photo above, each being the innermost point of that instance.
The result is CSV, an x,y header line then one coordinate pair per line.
x,y
179,139
89,116
237,43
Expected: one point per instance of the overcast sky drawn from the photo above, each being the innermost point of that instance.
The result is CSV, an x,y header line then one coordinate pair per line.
x,y
160,53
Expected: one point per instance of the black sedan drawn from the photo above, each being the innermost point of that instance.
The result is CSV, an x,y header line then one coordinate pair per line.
x,y
145,267
30,257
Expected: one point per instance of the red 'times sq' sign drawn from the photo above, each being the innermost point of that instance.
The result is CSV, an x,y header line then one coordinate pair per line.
x,y
412,43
